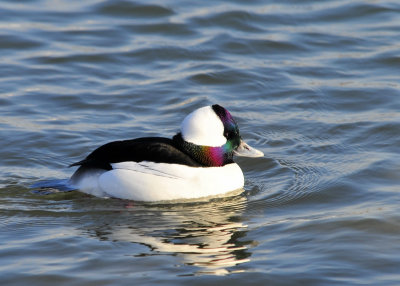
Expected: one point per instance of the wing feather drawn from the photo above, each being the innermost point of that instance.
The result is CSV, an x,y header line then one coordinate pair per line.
x,y
151,149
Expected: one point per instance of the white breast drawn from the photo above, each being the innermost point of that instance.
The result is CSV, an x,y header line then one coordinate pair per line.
x,y
148,181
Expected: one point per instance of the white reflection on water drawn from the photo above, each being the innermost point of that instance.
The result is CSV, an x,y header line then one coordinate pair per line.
x,y
206,235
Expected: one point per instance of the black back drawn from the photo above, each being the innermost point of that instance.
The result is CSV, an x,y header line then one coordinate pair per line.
x,y
154,149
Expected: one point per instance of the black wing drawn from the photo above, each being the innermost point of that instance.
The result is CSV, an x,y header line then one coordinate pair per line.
x,y
154,149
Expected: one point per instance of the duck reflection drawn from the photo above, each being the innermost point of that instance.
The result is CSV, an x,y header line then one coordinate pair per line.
x,y
209,235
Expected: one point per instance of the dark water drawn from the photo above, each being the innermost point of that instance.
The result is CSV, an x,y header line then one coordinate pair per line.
x,y
314,84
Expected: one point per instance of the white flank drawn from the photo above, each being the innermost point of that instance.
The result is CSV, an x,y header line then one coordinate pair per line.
x,y
148,181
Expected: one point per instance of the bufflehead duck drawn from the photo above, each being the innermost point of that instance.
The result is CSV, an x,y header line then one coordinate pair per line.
x,y
197,162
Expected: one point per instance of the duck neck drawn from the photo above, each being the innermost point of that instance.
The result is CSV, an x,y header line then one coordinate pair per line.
x,y
206,155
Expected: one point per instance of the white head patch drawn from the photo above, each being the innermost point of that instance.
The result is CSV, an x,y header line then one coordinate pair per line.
x,y
203,127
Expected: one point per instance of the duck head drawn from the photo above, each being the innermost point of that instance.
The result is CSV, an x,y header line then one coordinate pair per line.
x,y
211,136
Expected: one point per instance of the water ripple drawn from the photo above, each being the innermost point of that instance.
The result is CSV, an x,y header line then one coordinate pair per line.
x,y
314,85
132,10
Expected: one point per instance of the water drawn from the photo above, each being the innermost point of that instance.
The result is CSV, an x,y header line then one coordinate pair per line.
x,y
313,84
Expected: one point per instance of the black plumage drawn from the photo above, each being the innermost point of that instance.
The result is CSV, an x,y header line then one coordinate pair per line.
x,y
153,149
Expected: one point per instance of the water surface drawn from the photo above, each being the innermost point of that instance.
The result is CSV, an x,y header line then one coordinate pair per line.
x,y
314,85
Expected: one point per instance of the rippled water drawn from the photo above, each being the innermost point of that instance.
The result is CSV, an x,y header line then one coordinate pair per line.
x,y
313,84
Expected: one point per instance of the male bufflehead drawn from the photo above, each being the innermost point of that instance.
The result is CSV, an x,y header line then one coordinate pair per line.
x,y
196,162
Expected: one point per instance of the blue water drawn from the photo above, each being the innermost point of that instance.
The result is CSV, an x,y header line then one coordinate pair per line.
x,y
315,85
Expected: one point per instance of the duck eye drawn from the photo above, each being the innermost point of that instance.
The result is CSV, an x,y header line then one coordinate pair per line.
x,y
229,135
